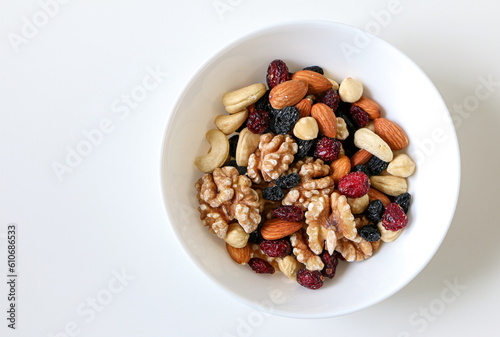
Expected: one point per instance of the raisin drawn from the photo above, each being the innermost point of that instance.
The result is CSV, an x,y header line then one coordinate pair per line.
x,y
263,102
327,149
276,248
286,119
273,193
304,146
316,69
242,170
260,266
359,116
258,121
310,279
256,236
403,200
330,98
370,233
376,165
361,168
289,181
394,217
354,185
277,73
233,143
330,262
289,213
374,211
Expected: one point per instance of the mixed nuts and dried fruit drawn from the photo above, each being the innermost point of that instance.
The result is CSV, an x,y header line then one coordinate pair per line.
x,y
312,175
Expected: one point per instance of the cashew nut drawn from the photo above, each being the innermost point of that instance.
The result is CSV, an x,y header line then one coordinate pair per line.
x,y
217,154
247,144
230,123
238,100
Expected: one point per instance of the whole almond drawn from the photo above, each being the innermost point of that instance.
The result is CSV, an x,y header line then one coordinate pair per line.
x,y
371,142
391,133
369,106
275,229
327,122
304,107
287,93
374,194
361,157
340,168
239,255
317,82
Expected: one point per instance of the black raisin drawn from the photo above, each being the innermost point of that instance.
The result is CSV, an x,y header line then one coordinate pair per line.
x,y
304,147
370,233
242,170
255,236
316,69
403,200
288,181
361,168
376,165
273,193
374,211
285,120
233,143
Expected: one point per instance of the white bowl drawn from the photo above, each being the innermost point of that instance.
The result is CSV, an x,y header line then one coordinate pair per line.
x,y
407,97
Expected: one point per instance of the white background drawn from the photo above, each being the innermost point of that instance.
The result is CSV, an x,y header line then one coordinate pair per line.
x,y
78,231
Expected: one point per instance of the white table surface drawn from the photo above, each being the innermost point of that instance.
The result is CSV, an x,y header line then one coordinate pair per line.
x,y
96,255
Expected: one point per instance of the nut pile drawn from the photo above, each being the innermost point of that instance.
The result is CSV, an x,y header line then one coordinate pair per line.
x,y
303,172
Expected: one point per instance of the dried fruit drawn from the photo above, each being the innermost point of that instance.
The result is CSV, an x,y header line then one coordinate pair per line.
x,y
375,210
361,168
359,116
391,133
394,217
275,229
289,181
273,193
310,279
256,236
370,233
289,213
317,83
287,93
403,200
242,170
258,121
354,185
233,143
260,266
376,165
327,149
330,98
304,146
277,72
331,262
316,69
276,248
286,119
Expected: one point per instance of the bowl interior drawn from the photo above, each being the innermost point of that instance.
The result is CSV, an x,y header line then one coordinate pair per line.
x,y
406,96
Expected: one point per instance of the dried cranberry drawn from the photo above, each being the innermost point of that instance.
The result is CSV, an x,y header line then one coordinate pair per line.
x,y
289,213
276,248
260,266
258,121
394,217
354,185
331,98
359,116
277,73
330,262
310,279
327,149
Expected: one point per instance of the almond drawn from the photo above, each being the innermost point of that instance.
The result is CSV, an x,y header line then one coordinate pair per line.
x,y
374,194
287,93
327,122
239,255
340,168
391,133
360,157
369,106
304,107
275,229
317,82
